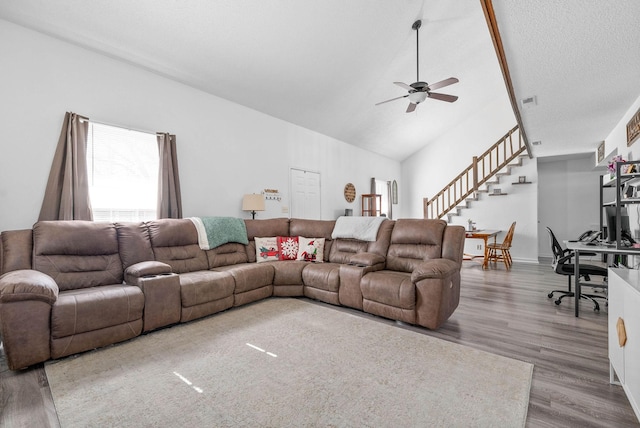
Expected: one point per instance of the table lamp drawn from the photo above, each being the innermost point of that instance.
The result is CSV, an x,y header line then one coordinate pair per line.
x,y
253,203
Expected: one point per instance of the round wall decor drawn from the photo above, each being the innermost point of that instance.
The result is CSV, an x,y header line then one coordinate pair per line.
x,y
350,192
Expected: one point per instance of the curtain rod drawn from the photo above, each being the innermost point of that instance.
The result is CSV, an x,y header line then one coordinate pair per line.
x,y
128,128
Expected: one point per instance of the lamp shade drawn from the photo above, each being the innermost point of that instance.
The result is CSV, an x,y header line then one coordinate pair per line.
x,y
253,202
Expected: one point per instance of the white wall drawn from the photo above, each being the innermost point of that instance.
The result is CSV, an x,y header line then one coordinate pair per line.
x,y
224,149
430,169
568,199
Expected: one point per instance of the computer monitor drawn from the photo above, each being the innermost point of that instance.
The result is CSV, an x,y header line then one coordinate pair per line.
x,y
611,222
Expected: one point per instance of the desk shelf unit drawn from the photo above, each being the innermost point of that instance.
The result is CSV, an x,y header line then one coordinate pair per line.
x,y
622,181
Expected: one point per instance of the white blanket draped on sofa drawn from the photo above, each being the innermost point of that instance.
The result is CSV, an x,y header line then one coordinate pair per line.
x,y
362,228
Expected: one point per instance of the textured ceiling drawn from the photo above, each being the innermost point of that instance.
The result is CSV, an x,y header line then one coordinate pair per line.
x,y
580,59
324,64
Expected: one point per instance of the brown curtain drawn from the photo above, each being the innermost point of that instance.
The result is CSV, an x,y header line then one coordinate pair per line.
x,y
169,199
67,194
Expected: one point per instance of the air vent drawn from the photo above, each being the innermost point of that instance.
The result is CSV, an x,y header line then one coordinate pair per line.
x,y
528,102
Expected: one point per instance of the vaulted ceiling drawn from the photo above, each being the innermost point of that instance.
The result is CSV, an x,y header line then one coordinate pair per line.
x,y
325,64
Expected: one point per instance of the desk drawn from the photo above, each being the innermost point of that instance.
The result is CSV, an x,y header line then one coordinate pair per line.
x,y
485,235
578,247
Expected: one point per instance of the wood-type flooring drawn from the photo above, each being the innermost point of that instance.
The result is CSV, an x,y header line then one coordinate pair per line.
x,y
504,312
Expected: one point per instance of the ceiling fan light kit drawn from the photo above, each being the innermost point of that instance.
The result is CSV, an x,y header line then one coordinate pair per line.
x,y
420,91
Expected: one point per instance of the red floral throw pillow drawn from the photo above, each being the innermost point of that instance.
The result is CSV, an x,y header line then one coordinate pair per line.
x,y
288,247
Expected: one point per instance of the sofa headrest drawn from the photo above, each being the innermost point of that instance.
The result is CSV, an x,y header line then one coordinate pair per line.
x,y
268,227
77,254
172,232
418,231
311,228
74,237
175,242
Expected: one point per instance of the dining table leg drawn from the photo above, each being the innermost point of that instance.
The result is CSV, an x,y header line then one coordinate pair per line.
x,y
485,262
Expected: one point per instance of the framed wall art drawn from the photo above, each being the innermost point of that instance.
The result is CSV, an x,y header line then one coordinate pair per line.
x,y
633,128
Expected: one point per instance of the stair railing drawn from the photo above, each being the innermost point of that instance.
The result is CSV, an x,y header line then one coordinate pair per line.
x,y
482,168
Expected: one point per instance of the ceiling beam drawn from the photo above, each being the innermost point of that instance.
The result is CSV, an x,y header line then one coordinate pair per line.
x,y
487,8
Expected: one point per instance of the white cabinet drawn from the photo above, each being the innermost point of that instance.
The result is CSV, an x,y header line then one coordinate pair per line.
x,y
624,303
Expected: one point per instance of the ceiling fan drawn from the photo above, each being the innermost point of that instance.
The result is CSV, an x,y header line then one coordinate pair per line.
x,y
420,91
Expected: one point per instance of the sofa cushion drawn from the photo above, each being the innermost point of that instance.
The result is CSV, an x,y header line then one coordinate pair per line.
x,y
325,276
227,254
413,241
288,272
175,242
389,288
89,309
343,249
205,286
77,254
249,276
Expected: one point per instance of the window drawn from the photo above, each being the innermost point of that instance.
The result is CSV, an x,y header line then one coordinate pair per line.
x,y
383,188
123,173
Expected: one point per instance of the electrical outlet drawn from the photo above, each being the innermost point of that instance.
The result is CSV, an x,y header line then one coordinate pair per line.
x,y
479,247
285,209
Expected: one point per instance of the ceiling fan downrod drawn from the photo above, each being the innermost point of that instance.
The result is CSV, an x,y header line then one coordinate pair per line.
x,y
416,26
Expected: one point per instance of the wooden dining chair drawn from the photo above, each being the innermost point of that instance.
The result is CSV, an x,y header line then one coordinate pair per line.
x,y
503,248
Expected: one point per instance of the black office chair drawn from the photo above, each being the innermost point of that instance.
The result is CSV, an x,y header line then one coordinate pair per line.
x,y
562,265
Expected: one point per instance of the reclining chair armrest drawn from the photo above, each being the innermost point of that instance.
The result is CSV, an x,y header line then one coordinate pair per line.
x,y
133,273
27,284
437,291
367,259
565,259
26,298
435,268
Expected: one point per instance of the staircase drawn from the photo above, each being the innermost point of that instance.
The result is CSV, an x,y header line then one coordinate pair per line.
x,y
485,169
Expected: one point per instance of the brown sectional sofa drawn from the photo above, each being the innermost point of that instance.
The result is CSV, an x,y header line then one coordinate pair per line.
x,y
71,286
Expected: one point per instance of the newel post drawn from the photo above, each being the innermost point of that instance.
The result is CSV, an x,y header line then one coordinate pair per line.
x,y
475,173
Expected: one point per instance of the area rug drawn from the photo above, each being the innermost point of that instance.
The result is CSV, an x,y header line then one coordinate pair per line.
x,y
289,362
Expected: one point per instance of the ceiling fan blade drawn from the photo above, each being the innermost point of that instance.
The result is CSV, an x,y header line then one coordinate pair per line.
x,y
443,83
442,97
392,99
411,107
404,86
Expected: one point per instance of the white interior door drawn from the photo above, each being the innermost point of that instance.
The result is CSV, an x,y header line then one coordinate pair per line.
x,y
305,194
